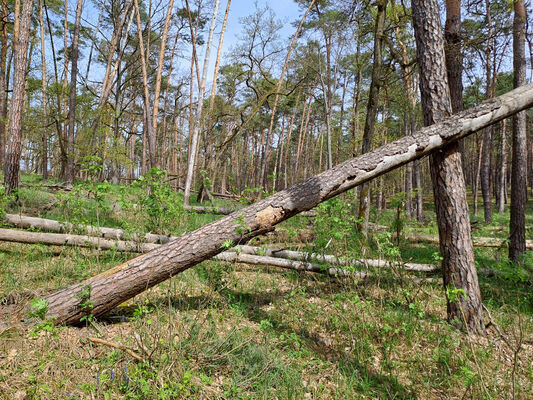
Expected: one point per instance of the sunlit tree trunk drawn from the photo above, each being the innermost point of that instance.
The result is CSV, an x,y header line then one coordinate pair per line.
x,y
503,167
458,265
517,227
485,173
3,85
21,38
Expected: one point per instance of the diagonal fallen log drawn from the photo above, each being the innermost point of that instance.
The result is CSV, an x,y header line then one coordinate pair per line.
x,y
110,288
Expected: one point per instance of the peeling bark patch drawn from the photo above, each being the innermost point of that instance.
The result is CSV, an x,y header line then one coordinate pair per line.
x,y
269,215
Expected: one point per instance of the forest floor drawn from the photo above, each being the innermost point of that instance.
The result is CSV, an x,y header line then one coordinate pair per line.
x,y
233,331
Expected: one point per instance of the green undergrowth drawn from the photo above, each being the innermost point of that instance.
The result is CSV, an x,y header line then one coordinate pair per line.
x,y
236,332
231,331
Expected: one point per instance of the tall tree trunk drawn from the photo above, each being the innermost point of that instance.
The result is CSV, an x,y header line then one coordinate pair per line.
x,y
517,227
197,121
487,133
44,149
69,173
371,109
159,73
458,265
503,167
21,38
3,85
113,287
149,129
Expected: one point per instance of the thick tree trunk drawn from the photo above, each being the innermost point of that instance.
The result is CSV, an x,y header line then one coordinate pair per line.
x,y
133,277
20,42
3,85
69,173
517,227
458,266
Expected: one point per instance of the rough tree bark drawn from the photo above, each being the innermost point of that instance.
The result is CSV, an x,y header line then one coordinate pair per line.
x,y
3,91
458,266
20,42
517,227
109,289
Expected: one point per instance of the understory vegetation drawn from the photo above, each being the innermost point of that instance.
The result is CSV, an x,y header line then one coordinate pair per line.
x,y
233,331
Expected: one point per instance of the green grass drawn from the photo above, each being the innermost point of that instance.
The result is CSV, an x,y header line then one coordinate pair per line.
x,y
224,331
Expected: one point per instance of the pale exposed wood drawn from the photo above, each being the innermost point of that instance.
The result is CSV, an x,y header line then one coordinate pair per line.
x,y
50,225
477,241
65,239
123,282
330,259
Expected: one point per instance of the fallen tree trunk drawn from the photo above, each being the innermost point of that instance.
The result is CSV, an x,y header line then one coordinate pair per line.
x,y
65,239
209,210
476,241
285,263
330,259
110,288
50,225
245,254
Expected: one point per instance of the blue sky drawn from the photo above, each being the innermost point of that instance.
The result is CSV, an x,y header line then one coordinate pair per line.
x,y
287,11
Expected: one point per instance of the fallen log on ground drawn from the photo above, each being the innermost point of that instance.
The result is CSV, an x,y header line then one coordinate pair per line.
x,y
244,254
476,241
65,239
330,259
50,225
113,287
209,210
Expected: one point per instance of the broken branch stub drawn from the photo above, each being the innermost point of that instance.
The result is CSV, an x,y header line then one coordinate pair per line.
x,y
123,282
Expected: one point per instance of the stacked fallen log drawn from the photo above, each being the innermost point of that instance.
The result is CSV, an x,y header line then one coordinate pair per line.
x,y
50,225
288,259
